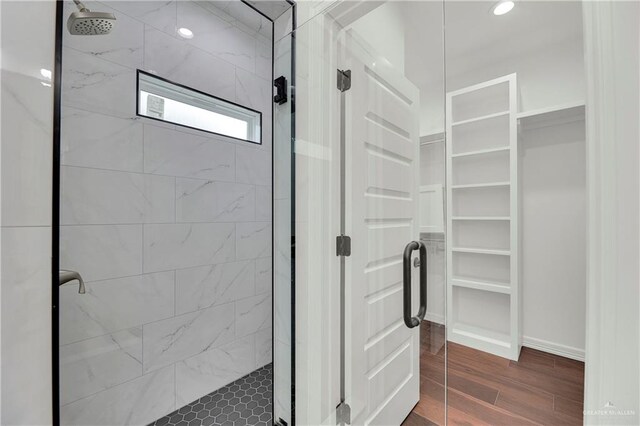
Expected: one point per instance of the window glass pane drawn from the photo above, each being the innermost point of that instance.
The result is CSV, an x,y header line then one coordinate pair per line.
x,y
163,100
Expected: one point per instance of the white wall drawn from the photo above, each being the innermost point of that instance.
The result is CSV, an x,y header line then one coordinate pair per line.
x,y
432,172
26,151
553,222
553,287
383,29
547,76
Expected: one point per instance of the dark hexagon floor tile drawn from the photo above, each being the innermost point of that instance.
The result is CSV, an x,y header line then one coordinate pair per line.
x,y
245,402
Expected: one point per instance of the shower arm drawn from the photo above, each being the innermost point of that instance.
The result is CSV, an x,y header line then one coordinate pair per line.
x,y
81,6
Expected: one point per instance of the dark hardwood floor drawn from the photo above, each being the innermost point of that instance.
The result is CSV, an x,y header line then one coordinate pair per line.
x,y
484,389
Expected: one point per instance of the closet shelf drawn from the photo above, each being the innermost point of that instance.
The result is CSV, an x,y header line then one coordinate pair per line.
x,y
481,151
481,185
481,218
481,251
484,117
494,287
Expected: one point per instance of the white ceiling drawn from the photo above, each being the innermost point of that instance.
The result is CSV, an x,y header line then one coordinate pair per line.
x,y
475,37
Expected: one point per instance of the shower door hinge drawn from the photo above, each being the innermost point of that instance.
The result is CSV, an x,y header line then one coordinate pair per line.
x,y
343,245
344,80
343,414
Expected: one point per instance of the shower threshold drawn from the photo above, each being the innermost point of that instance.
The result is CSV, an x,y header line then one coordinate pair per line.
x,y
246,401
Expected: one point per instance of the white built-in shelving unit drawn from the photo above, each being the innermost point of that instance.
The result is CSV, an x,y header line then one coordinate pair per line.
x,y
482,217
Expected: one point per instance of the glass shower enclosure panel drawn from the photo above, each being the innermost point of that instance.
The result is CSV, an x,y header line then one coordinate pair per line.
x,y
369,213
165,233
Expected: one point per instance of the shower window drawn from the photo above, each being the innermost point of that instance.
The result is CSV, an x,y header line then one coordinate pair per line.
x,y
163,100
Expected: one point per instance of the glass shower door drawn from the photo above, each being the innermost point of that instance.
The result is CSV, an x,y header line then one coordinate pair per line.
x,y
369,206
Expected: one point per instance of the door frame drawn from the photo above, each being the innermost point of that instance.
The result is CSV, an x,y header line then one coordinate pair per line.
x,y
317,266
612,55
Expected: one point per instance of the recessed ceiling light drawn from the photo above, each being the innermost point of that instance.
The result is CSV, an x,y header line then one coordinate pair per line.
x,y
185,33
45,73
503,7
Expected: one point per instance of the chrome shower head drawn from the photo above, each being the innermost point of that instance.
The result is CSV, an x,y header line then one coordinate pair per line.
x,y
85,22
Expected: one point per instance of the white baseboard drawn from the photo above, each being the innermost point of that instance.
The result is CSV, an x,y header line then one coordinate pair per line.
x,y
553,348
437,318
530,342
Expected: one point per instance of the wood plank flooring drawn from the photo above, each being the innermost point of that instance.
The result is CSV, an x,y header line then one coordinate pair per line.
x,y
484,389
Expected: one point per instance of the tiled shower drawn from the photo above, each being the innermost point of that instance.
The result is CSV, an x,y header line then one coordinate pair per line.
x,y
170,227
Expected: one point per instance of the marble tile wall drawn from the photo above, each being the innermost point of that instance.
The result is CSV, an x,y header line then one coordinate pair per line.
x,y
26,113
170,227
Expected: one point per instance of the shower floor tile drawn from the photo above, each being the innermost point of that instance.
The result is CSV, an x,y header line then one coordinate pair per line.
x,y
247,401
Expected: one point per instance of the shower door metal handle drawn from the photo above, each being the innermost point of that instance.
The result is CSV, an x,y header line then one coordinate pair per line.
x,y
414,321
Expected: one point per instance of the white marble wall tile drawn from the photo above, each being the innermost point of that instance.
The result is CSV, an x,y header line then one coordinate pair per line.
x,y
26,150
254,92
282,241
253,314
213,369
176,246
217,36
283,25
113,305
263,57
217,8
210,201
123,45
26,319
263,203
267,126
264,347
92,196
282,302
263,275
176,60
253,165
206,286
160,14
93,365
253,240
101,141
96,85
266,29
213,270
184,336
247,19
175,153
137,402
101,252
282,262
282,378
